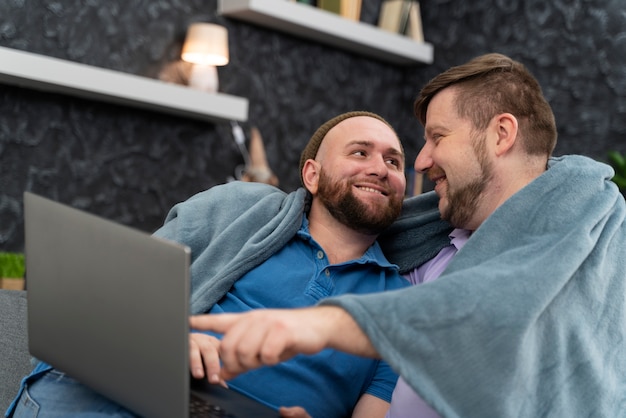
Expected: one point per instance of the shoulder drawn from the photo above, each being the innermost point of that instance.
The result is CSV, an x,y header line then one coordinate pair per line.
x,y
238,190
234,196
231,200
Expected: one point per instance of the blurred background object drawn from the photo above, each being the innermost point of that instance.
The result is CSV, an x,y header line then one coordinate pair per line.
x,y
256,167
205,48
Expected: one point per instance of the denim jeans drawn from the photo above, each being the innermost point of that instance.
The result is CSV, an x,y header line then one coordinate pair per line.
x,y
56,395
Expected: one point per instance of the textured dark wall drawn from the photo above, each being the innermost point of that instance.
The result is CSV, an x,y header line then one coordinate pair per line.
x,y
132,165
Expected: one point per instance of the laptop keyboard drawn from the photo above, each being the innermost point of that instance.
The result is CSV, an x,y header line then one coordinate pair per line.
x,y
199,407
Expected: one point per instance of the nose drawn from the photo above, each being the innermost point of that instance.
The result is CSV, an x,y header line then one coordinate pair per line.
x,y
378,167
424,159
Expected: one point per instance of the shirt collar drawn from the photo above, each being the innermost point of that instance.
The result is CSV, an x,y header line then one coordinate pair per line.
x,y
459,236
374,253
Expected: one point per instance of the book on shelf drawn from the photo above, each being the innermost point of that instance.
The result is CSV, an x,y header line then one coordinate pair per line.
x,y
333,6
414,29
403,17
391,14
309,2
349,9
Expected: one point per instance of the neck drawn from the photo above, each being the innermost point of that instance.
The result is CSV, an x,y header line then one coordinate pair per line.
x,y
340,242
509,179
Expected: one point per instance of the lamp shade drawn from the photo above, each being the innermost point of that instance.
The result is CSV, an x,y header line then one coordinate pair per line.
x,y
206,44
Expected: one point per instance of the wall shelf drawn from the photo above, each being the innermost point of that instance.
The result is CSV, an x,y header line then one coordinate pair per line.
x,y
326,27
45,73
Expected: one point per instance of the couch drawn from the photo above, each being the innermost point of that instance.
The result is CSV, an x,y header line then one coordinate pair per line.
x,y
15,360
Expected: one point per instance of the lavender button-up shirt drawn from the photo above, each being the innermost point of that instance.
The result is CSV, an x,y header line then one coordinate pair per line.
x,y
405,403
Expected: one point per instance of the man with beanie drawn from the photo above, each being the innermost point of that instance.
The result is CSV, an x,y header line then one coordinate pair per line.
x,y
254,246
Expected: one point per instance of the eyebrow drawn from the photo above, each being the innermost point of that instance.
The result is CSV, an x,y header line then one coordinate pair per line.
x,y
370,144
429,129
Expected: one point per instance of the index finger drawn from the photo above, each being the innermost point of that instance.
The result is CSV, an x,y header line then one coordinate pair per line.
x,y
219,323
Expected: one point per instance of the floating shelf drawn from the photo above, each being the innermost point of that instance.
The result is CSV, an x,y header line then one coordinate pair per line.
x,y
45,73
329,28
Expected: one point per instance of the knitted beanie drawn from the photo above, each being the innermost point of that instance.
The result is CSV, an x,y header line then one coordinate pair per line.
x,y
310,151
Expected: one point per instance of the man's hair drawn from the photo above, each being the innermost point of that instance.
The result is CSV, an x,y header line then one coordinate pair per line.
x,y
492,84
310,151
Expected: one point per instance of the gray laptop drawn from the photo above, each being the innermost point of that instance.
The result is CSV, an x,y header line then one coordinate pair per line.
x,y
109,305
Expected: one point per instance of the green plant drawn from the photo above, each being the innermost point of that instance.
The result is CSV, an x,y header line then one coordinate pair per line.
x,y
618,162
12,265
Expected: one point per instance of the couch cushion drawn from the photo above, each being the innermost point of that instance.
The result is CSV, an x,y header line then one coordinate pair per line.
x,y
14,356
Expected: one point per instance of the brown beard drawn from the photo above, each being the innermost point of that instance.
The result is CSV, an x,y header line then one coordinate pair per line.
x,y
343,205
463,202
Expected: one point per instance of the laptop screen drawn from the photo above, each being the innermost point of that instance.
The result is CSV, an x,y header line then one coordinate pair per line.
x,y
108,305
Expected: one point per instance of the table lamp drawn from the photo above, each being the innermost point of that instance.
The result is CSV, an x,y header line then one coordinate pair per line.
x,y
205,47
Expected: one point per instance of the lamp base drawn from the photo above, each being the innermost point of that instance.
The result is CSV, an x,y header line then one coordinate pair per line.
x,y
203,77
197,76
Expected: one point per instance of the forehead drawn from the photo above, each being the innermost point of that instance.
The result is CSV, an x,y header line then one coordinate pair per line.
x,y
442,103
442,113
360,129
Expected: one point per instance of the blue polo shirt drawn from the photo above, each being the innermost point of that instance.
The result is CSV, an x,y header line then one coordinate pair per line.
x,y
330,383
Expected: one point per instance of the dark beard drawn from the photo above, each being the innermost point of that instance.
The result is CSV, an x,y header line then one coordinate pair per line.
x,y
343,205
462,203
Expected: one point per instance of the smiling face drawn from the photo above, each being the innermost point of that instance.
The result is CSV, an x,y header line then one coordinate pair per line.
x,y
358,174
455,158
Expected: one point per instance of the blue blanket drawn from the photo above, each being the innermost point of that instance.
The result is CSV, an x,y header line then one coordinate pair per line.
x,y
230,229
529,319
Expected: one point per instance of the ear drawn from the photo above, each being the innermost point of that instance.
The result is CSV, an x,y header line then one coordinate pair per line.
x,y
506,130
311,175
